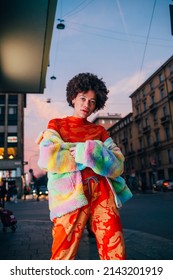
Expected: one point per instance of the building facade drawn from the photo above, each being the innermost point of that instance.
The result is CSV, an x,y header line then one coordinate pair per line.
x,y
146,135
106,120
12,138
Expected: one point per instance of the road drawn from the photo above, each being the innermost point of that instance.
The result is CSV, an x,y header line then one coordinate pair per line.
x,y
147,223
150,213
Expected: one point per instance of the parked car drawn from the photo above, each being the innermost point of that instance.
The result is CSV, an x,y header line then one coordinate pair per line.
x,y
43,190
163,185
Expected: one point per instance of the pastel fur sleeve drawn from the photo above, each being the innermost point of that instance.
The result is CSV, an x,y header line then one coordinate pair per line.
x,y
105,158
54,154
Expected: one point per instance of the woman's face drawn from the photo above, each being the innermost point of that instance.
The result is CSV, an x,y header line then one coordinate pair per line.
x,y
84,104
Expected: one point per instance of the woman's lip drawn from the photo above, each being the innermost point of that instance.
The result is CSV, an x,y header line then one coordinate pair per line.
x,y
86,112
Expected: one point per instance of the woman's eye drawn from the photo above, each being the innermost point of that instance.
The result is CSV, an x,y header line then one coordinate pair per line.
x,y
93,102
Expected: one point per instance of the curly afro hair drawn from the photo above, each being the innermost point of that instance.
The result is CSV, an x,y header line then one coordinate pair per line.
x,y
84,82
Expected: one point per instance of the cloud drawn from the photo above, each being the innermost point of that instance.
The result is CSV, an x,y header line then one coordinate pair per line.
x,y
119,101
125,86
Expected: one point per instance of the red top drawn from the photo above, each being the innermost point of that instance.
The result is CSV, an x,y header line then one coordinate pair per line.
x,y
72,129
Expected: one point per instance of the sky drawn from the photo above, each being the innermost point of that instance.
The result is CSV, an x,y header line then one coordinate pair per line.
x,y
123,42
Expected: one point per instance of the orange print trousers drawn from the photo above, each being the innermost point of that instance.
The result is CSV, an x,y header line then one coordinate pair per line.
x,y
104,220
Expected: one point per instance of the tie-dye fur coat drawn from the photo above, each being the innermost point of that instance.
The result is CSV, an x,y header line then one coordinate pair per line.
x,y
64,177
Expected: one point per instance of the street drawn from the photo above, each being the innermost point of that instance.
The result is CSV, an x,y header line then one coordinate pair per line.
x,y
147,224
150,213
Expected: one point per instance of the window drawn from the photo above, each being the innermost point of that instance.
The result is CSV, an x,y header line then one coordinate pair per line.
x,y
172,84
125,133
2,99
137,98
161,78
157,135
143,93
12,152
139,128
167,132
158,156
13,99
12,115
130,132
152,99
2,110
140,143
151,85
2,115
1,139
171,68
1,153
146,122
162,94
170,156
131,147
155,117
12,110
103,121
145,106
148,139
137,110
164,111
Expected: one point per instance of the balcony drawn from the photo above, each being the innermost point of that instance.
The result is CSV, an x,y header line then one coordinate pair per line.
x,y
165,120
124,140
153,107
137,117
146,129
140,151
131,153
157,144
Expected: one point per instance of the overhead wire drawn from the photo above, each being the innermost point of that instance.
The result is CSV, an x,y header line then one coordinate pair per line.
x,y
146,43
116,32
75,11
118,39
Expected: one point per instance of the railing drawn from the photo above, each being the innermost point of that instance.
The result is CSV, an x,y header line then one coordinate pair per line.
x,y
165,119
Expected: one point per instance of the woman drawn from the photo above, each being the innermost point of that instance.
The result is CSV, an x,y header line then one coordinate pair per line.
x,y
84,168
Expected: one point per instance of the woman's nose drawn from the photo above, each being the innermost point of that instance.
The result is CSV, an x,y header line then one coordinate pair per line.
x,y
87,103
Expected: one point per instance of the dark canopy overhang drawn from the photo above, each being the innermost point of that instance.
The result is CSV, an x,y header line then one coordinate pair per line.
x,y
25,37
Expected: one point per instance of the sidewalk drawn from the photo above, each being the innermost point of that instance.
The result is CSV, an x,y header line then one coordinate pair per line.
x,y
32,239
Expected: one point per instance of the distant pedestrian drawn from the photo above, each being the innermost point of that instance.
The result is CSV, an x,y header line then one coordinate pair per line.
x,y
2,193
14,193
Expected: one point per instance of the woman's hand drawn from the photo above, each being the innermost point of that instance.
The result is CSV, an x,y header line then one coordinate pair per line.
x,y
73,151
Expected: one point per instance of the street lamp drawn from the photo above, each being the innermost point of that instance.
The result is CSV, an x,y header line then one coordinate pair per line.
x,y
60,25
53,78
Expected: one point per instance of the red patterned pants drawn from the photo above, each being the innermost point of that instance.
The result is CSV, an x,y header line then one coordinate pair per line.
x,y
104,221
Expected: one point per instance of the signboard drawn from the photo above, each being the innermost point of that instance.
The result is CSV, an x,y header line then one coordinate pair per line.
x,y
12,139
